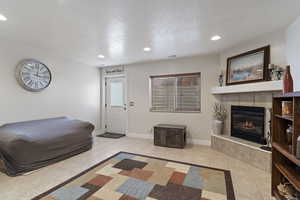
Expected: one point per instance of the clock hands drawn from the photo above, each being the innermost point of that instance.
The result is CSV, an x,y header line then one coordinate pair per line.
x,y
42,76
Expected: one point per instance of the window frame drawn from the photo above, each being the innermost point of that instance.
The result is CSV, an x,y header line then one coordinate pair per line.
x,y
172,76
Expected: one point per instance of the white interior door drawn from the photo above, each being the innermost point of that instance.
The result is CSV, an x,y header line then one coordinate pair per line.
x,y
115,105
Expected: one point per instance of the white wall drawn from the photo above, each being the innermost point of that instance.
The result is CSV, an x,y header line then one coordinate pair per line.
x,y
141,120
293,51
275,39
74,91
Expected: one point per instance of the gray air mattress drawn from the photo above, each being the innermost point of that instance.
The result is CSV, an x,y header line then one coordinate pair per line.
x,y
27,146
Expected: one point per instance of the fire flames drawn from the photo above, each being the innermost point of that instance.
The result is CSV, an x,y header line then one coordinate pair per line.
x,y
248,125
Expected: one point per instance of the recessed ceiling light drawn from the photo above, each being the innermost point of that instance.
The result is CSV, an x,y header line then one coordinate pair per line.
x,y
215,38
147,49
2,18
101,56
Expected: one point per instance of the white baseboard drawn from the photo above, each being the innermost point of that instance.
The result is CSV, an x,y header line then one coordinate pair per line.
x,y
189,140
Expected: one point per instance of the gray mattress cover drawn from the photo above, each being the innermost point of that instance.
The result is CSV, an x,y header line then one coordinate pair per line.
x,y
26,146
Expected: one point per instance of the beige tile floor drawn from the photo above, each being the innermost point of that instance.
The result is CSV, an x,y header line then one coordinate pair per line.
x,y
249,183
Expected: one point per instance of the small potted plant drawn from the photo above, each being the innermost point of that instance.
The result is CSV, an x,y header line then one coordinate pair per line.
x,y
219,118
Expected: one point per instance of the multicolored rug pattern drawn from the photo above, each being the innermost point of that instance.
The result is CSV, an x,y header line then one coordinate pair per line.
x,y
127,176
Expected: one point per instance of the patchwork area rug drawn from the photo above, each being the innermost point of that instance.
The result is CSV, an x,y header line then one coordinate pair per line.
x,y
127,176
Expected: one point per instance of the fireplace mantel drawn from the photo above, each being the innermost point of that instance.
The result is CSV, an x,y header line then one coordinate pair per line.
x,y
267,86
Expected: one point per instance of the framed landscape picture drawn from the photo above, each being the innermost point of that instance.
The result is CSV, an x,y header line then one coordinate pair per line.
x,y
248,67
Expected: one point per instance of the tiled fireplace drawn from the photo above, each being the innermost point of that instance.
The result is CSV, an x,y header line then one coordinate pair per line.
x,y
245,127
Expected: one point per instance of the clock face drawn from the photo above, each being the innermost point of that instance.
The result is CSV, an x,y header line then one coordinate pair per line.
x,y
33,75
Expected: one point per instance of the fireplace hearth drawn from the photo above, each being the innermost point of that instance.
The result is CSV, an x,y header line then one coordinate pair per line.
x,y
248,123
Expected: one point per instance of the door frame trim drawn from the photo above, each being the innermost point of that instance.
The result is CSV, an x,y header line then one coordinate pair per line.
x,y
103,100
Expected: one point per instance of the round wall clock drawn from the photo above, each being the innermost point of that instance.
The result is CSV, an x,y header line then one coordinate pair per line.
x,y
33,75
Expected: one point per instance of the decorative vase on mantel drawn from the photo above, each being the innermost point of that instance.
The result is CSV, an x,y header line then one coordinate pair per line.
x,y
288,87
288,84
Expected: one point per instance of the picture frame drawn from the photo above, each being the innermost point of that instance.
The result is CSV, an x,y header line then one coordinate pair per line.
x,y
248,67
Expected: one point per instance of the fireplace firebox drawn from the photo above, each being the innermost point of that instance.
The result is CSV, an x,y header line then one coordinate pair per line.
x,y
248,123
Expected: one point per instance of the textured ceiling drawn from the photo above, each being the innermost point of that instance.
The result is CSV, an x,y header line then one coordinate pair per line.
x,y
120,29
